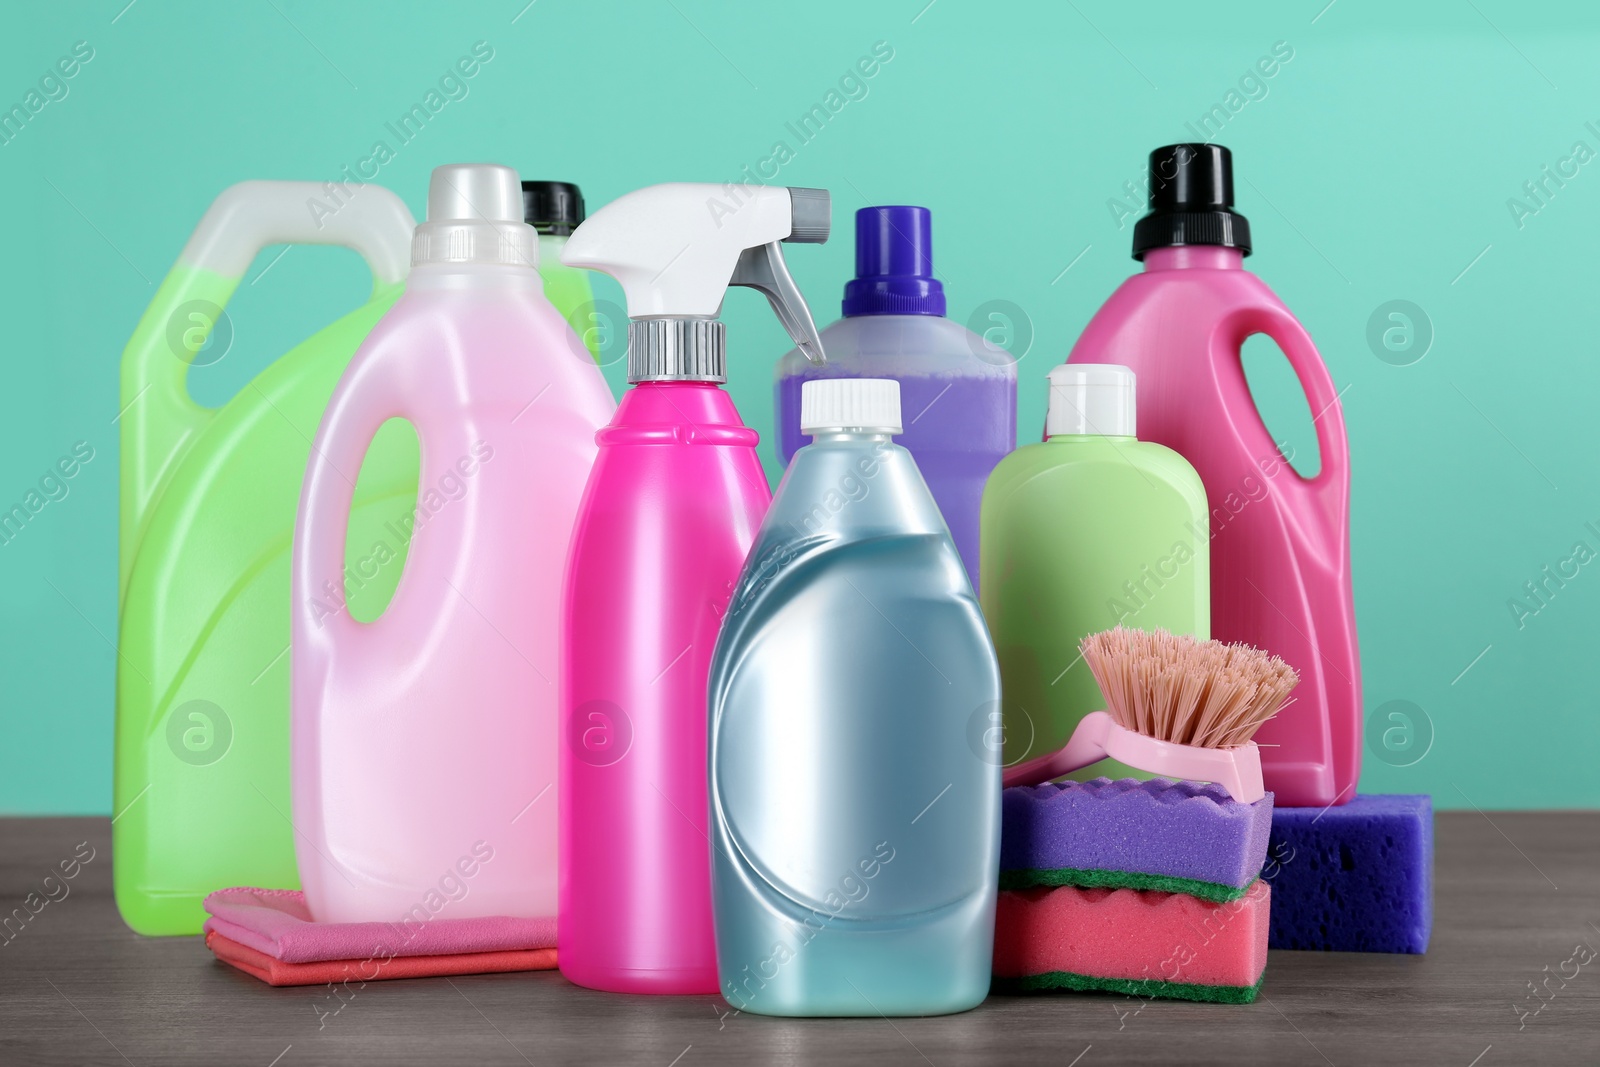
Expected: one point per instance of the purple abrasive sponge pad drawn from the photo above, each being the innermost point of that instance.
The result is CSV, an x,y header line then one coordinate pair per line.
x,y
1177,837
1357,878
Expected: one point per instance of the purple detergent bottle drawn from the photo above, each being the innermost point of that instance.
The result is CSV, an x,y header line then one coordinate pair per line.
x,y
958,392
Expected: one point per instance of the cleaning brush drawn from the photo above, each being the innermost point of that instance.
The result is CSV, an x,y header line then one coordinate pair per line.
x,y
1178,707
1187,691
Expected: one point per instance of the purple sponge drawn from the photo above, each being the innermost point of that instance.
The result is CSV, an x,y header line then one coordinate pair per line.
x,y
1357,878
1177,837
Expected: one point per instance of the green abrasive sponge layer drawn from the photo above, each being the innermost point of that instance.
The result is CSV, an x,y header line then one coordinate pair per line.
x,y
1084,983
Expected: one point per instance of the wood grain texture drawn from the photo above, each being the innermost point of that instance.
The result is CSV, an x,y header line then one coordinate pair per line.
x,y
1515,893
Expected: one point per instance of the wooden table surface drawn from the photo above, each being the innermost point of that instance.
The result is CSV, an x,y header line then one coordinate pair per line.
x,y
1516,893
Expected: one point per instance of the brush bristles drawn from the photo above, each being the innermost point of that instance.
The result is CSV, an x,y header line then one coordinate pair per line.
x,y
1187,691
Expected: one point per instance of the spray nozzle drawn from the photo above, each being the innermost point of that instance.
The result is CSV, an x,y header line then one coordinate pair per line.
x,y
676,249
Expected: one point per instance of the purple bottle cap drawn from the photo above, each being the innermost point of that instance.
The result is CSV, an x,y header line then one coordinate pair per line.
x,y
894,264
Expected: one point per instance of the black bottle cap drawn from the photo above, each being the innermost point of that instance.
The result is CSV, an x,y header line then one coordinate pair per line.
x,y
1191,201
554,208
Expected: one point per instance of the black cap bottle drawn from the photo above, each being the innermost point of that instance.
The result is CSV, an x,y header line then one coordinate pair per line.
x,y
553,208
1191,201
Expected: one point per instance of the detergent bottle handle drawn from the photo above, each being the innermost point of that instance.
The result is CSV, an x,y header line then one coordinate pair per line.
x,y
249,216
1331,484
158,417
368,396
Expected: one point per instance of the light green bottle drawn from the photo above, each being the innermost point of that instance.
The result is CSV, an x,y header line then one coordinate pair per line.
x,y
1087,530
208,503
555,209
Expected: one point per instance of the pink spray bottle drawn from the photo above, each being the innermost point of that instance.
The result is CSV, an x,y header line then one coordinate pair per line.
x,y
670,511
1280,543
423,743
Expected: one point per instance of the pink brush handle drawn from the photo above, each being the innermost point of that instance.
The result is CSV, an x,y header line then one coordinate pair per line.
x,y
1087,745
1238,769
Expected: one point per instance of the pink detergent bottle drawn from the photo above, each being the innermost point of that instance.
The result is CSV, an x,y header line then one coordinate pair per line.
x,y
1280,543
423,743
670,512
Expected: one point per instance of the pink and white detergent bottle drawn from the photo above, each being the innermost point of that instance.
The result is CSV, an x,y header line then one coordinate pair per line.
x,y
1280,543
671,509
423,743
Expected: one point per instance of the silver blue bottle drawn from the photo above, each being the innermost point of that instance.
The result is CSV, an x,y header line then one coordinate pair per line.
x,y
854,770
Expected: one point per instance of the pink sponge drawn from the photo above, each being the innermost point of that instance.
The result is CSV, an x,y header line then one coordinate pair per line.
x,y
1144,943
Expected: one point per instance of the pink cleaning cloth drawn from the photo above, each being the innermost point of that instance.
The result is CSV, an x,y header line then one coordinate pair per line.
x,y
277,923
277,972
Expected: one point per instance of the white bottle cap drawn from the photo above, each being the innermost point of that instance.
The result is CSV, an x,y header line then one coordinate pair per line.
x,y
1091,398
475,216
850,404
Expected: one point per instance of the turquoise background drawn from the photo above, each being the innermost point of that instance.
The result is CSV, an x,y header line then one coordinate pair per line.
x,y
1377,167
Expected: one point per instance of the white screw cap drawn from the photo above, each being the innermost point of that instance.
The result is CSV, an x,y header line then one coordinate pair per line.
x,y
486,192
850,404
1092,398
475,216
